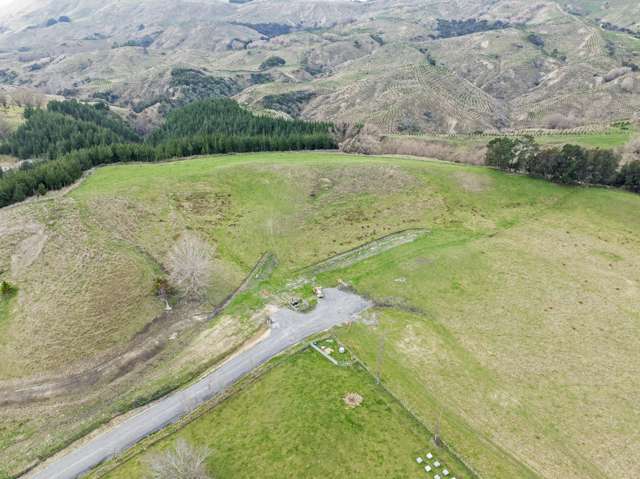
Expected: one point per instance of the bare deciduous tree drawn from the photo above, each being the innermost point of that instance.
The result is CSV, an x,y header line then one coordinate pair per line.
x,y
190,265
631,151
558,121
182,462
628,84
24,97
5,129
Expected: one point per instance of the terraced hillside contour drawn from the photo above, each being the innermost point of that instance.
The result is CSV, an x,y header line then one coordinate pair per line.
x,y
458,66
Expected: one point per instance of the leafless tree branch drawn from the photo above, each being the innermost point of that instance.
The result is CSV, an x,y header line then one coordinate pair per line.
x,y
190,265
182,462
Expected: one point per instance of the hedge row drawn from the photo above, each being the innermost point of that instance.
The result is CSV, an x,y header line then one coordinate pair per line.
x,y
570,164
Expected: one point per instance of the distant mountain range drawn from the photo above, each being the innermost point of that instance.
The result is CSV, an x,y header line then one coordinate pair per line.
x,y
403,66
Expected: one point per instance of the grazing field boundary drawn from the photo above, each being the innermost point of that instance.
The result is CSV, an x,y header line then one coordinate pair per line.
x,y
367,250
417,417
325,355
470,470
262,269
146,443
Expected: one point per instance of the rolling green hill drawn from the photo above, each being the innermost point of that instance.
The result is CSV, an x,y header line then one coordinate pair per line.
x,y
510,323
505,321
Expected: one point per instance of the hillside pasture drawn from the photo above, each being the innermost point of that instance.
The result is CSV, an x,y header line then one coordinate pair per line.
x,y
511,324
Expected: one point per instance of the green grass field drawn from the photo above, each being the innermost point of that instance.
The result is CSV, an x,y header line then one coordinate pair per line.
x,y
614,137
617,137
497,330
512,322
294,423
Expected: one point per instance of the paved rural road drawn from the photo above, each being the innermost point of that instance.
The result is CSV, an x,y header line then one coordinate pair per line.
x,y
288,328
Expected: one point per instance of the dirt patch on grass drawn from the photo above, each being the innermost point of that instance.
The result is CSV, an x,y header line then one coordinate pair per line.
x,y
346,180
353,400
203,202
373,179
213,342
130,220
473,182
22,392
8,162
146,344
104,368
12,233
424,261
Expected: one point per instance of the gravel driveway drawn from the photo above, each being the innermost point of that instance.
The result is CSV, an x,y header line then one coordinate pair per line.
x,y
287,329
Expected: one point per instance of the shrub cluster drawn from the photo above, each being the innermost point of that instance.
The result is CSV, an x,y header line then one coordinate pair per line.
x,y
271,62
269,30
615,28
570,164
629,176
7,289
291,103
195,85
54,21
457,28
536,40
